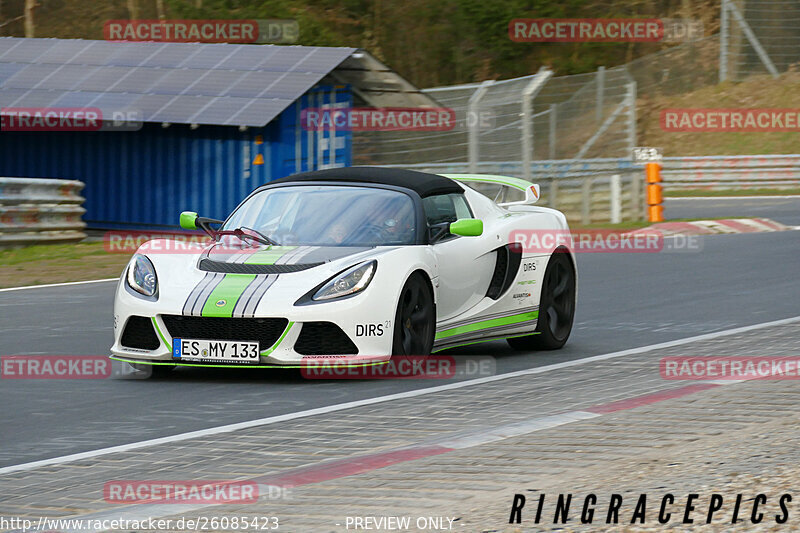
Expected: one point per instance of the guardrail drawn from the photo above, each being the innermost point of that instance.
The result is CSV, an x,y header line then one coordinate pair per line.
x,y
731,172
587,191
34,211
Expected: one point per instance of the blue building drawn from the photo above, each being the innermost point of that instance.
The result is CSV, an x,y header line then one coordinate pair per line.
x,y
187,126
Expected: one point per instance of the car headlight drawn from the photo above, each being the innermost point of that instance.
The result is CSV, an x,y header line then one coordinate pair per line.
x,y
142,276
350,281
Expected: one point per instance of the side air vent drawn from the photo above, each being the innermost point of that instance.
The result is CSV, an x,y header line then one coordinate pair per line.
x,y
324,338
139,334
506,267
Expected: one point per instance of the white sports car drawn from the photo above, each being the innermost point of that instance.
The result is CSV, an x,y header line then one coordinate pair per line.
x,y
356,264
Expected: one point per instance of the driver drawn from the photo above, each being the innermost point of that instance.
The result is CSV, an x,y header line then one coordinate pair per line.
x,y
337,232
398,224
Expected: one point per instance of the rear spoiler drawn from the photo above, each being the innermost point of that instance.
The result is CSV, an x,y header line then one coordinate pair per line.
x,y
530,190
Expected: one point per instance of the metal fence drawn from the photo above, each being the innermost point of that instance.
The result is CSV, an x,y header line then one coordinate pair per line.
x,y
40,211
524,119
758,37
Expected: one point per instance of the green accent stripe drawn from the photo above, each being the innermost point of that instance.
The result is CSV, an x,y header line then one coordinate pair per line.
x,y
158,330
442,348
229,289
156,363
279,341
485,324
269,256
502,180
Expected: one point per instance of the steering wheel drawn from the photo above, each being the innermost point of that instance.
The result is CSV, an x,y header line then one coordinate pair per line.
x,y
372,233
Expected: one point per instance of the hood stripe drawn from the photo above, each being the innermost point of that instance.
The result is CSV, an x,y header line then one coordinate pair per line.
x,y
197,309
244,299
258,294
228,291
194,296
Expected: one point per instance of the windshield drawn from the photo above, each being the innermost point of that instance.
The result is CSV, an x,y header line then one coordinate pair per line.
x,y
329,215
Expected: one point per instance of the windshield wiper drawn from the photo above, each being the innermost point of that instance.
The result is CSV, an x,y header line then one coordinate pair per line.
x,y
249,233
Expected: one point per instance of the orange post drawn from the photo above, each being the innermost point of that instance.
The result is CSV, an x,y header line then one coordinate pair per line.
x,y
655,211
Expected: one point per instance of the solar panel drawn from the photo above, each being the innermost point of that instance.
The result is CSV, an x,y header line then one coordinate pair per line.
x,y
209,56
101,79
134,54
139,80
252,84
259,112
66,77
64,52
30,76
323,60
150,104
286,58
94,53
6,45
27,52
168,82
77,99
215,82
176,81
291,84
172,56
182,109
249,57
222,109
37,98
9,69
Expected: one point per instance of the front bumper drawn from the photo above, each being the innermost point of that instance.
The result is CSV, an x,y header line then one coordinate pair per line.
x,y
289,336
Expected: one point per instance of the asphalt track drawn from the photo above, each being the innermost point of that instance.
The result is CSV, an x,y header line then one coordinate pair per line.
x,y
625,301
785,210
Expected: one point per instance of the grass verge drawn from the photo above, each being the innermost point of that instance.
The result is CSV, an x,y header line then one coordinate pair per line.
x,y
58,263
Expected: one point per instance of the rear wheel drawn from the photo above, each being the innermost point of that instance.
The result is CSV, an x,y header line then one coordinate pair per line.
x,y
415,319
556,307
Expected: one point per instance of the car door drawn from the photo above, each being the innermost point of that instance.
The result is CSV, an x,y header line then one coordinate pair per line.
x,y
464,264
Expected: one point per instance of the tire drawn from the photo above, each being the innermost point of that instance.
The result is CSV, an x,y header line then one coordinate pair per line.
x,y
154,371
415,319
556,307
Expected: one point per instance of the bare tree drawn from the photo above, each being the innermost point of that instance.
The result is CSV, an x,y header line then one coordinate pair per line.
x,y
29,24
133,9
160,8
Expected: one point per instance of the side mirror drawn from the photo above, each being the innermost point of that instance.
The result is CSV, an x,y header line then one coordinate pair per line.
x,y
467,227
189,220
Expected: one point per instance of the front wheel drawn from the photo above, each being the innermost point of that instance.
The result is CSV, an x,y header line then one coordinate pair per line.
x,y
415,319
556,307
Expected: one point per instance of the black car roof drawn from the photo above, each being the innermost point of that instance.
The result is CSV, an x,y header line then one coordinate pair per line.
x,y
422,183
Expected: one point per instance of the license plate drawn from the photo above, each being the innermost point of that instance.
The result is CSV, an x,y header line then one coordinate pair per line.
x,y
208,351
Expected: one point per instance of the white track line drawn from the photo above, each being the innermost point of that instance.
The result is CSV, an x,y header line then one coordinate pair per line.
x,y
381,399
59,284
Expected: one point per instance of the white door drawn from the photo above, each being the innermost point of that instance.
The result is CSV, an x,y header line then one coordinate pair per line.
x,y
464,264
